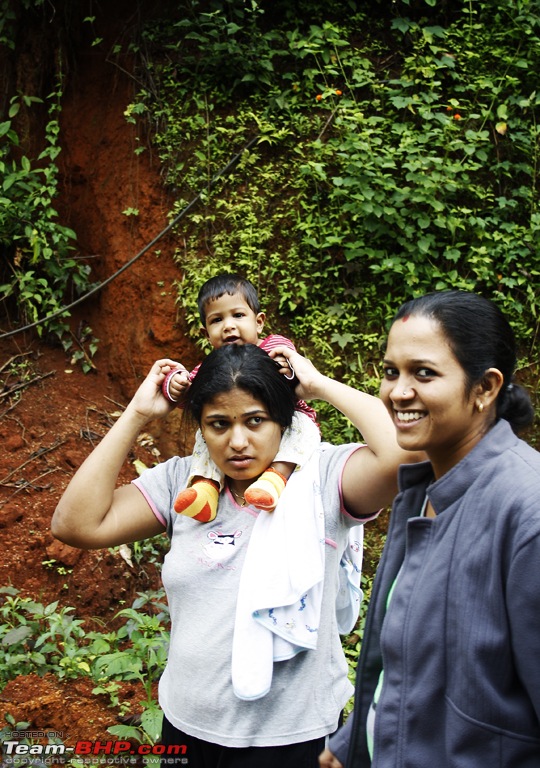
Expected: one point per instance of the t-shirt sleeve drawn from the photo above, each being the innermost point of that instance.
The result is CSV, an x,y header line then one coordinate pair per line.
x,y
161,484
332,463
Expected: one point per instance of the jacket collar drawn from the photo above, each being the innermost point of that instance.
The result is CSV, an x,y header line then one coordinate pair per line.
x,y
455,483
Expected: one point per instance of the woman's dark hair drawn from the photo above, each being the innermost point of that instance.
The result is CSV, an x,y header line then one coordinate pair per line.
x,y
231,283
243,367
480,337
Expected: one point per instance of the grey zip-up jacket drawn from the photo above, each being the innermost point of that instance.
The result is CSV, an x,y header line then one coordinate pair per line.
x,y
460,641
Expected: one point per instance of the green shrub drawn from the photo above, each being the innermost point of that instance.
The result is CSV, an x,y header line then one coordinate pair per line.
x,y
41,271
389,163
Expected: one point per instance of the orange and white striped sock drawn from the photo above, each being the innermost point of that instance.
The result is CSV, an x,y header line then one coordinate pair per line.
x,y
199,501
264,493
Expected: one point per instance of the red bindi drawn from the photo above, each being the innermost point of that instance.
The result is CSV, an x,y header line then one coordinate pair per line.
x,y
405,318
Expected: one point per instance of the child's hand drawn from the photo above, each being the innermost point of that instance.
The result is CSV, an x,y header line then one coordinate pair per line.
x,y
308,382
178,383
284,366
175,383
148,399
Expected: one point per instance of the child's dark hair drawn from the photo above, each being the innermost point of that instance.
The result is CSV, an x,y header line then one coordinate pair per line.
x,y
230,283
243,367
480,337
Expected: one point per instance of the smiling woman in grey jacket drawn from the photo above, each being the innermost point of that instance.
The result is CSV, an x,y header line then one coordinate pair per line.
x,y
449,673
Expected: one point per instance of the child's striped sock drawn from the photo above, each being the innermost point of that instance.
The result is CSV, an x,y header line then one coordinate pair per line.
x,y
199,501
264,493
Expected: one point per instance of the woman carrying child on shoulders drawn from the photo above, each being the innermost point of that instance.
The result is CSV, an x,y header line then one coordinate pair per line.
x,y
256,676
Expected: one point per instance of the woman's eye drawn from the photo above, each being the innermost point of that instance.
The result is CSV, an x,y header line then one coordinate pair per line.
x,y
218,425
390,373
424,373
254,421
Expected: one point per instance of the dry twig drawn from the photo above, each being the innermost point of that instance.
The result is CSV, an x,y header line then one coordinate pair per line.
x,y
24,384
25,484
35,455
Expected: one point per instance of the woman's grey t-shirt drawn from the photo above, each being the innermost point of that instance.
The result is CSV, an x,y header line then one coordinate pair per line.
x,y
201,577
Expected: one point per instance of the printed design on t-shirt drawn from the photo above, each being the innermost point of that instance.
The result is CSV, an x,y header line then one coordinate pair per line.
x,y
220,546
355,546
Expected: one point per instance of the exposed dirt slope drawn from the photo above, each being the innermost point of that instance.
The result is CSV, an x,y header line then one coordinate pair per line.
x,y
48,426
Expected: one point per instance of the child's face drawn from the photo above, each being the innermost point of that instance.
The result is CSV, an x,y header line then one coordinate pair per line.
x,y
230,320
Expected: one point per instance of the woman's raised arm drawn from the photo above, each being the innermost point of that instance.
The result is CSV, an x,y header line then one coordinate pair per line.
x,y
370,475
93,512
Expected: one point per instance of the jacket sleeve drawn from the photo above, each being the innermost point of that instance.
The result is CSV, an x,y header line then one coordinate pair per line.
x,y
338,743
523,605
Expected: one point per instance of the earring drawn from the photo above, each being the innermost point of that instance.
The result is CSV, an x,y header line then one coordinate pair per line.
x,y
480,407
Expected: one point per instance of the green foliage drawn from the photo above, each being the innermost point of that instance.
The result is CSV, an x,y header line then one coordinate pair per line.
x,y
352,644
5,735
148,732
8,17
81,347
397,153
40,639
389,164
143,658
41,269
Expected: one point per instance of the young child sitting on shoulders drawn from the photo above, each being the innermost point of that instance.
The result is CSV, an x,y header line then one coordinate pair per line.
x,y
230,312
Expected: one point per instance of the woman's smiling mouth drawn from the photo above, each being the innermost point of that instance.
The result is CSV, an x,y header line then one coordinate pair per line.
x,y
406,417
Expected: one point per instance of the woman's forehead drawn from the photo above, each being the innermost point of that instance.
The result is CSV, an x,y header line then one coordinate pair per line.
x,y
417,337
235,403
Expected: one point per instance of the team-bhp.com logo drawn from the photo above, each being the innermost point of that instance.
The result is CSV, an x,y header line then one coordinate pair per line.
x,y
13,749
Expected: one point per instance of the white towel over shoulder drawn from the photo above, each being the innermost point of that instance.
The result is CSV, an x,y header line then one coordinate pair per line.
x,y
279,598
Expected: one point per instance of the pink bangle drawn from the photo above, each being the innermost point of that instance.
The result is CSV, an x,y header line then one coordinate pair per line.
x,y
165,386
